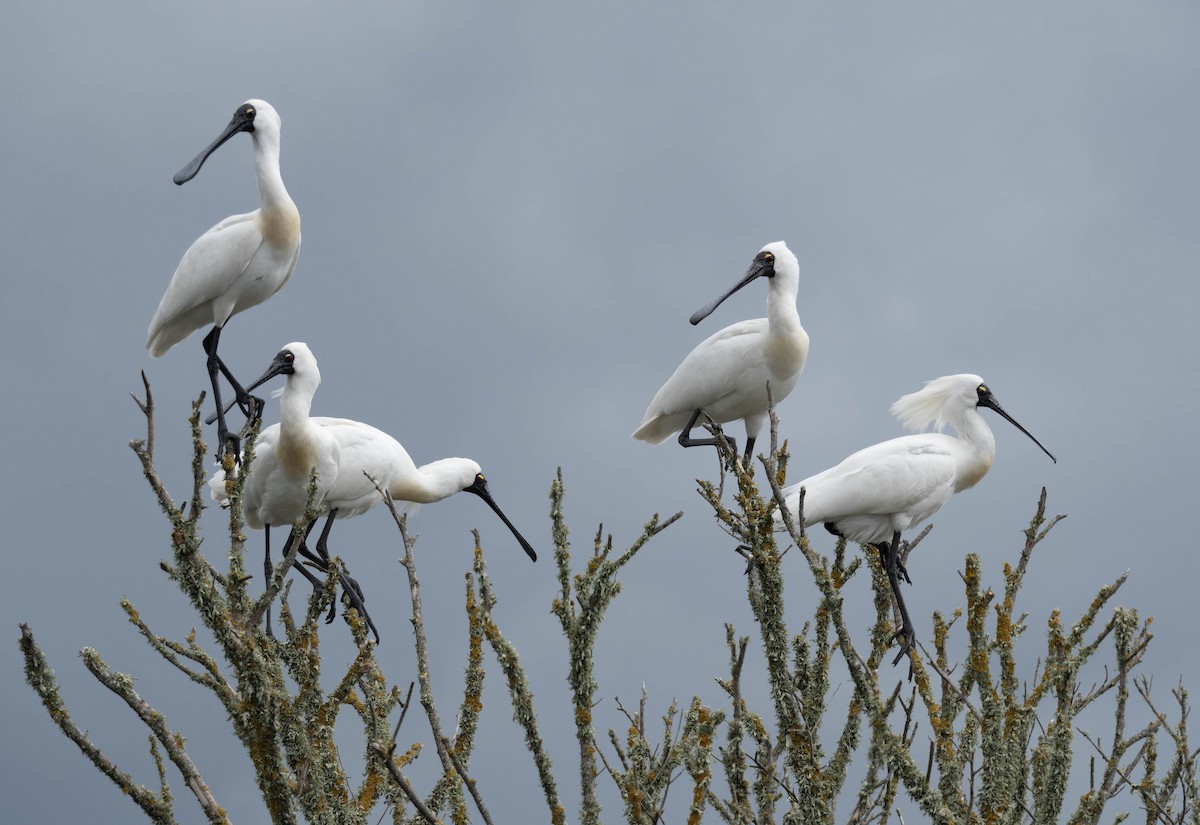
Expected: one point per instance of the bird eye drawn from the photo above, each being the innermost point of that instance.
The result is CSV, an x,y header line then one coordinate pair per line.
x,y
250,111
983,390
287,356
479,477
768,257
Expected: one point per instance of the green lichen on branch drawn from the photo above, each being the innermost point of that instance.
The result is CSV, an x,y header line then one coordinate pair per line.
x,y
972,741
580,607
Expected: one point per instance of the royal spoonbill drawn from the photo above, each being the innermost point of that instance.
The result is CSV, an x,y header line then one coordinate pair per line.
x,y
277,486
240,262
883,490
276,489
725,378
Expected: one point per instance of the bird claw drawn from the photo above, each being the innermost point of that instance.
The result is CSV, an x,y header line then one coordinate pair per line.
x,y
722,439
227,442
905,634
252,407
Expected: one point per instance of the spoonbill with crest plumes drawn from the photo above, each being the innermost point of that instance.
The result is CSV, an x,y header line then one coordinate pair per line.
x,y
725,378
239,263
276,488
883,490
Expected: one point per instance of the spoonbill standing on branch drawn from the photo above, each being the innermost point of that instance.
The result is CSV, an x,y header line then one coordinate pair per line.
x,y
883,490
725,378
240,262
276,489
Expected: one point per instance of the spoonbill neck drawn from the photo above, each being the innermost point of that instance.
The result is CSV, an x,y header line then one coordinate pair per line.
x,y
297,451
976,449
272,194
786,343
781,299
432,482
294,408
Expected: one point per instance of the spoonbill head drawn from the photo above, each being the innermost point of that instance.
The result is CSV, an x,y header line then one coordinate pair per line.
x,y
725,377
877,493
367,450
251,116
276,489
237,264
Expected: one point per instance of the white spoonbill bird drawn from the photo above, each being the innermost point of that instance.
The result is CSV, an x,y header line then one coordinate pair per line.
x,y
276,489
240,262
883,490
725,378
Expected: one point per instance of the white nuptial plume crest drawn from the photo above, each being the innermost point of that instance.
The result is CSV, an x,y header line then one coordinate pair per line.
x,y
917,410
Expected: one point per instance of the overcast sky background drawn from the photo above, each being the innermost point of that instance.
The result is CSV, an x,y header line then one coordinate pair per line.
x,y
508,217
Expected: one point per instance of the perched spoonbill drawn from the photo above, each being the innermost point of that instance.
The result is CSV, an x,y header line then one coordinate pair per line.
x,y
883,490
277,487
240,262
725,378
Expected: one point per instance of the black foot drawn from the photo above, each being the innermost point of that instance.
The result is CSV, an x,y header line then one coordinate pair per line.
x,y
906,637
882,549
355,595
227,442
686,440
252,407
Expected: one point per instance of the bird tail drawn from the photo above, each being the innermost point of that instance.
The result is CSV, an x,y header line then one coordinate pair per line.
x,y
216,487
656,430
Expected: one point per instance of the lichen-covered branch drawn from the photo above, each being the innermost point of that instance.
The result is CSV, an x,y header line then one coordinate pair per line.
x,y
41,678
519,692
122,685
972,741
580,608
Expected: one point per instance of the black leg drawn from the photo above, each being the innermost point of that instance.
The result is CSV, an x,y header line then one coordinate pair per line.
x,y
250,405
901,570
224,437
353,591
749,450
349,584
905,634
323,539
320,564
268,569
323,552
686,440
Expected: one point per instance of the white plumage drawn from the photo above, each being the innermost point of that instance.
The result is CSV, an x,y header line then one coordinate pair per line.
x,y
276,489
725,377
286,452
345,452
879,492
240,262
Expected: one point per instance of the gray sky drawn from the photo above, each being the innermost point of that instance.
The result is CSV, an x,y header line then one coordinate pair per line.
x,y
508,218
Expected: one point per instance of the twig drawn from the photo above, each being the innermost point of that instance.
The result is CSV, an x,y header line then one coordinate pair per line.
x,y
469,782
122,685
386,755
41,678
